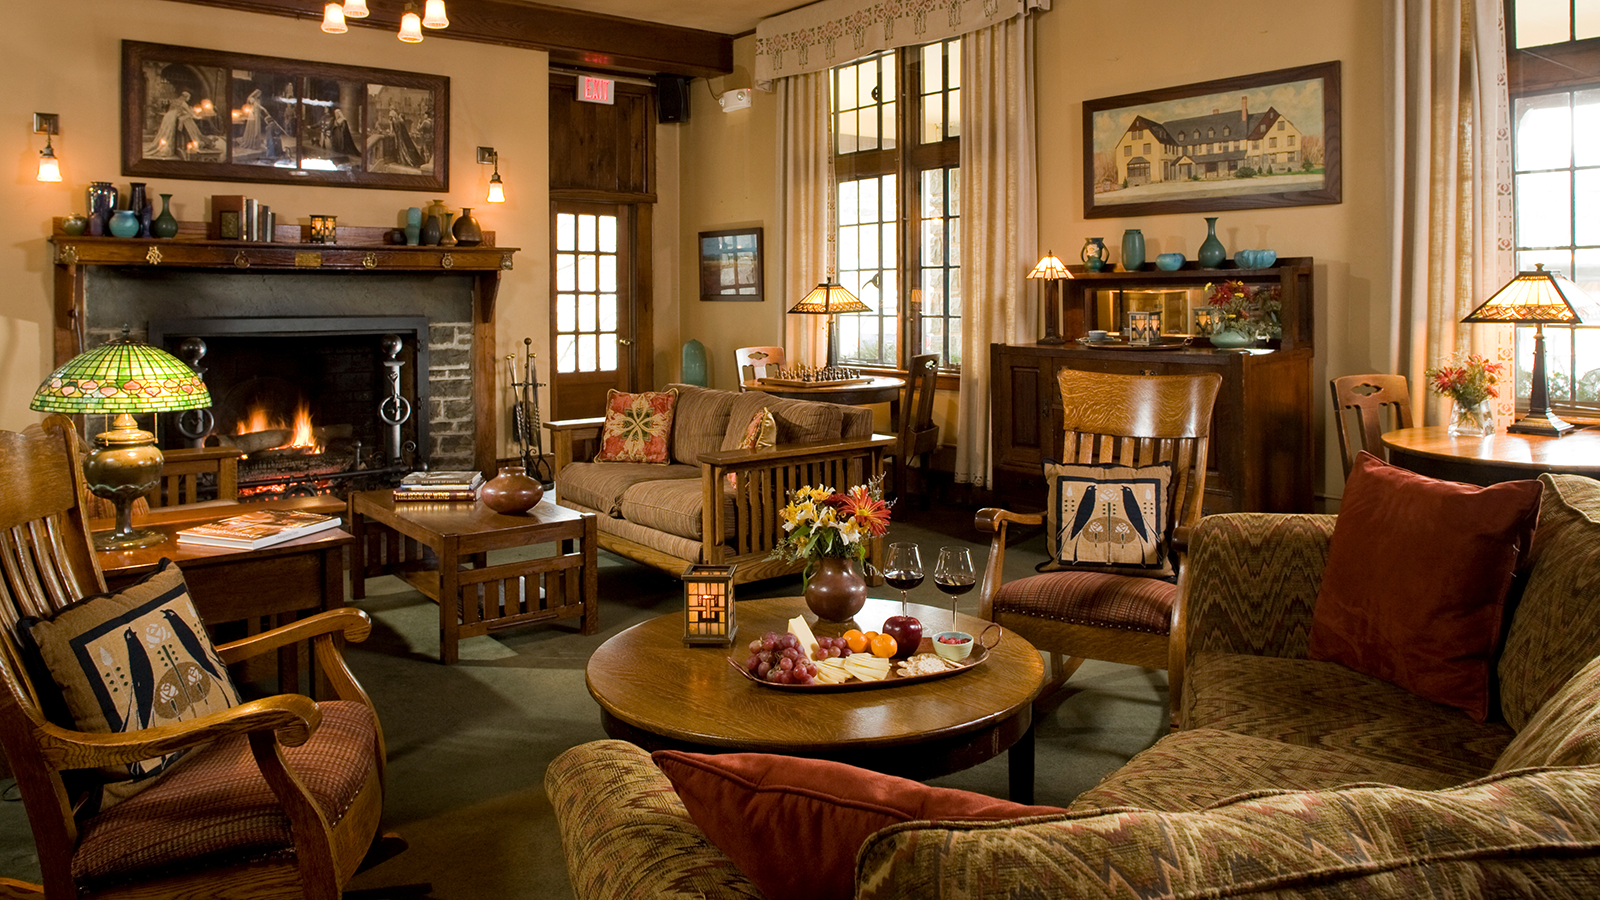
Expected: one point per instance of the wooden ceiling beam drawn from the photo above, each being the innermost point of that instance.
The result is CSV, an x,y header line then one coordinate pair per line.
x,y
570,36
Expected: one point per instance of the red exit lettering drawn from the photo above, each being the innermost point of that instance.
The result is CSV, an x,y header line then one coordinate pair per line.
x,y
596,90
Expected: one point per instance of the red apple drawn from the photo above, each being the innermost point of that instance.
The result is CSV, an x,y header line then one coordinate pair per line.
x,y
907,634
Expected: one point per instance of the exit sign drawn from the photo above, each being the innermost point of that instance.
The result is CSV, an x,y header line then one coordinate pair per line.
x,y
597,90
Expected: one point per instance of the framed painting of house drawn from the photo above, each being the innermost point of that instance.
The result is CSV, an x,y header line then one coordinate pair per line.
x,y
218,116
730,265
1252,142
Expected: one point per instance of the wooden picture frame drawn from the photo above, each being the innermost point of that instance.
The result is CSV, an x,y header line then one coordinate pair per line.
x,y
1251,142
218,116
730,265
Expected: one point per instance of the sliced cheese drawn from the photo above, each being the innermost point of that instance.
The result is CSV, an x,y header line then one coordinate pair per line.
x,y
802,633
867,668
832,671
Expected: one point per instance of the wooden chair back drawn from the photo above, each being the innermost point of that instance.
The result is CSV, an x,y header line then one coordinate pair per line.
x,y
1375,403
918,435
181,470
1141,420
758,362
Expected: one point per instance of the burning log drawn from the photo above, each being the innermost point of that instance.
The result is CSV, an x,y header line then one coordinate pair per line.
x,y
257,441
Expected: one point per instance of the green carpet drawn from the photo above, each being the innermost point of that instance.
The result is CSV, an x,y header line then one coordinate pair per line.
x,y
469,743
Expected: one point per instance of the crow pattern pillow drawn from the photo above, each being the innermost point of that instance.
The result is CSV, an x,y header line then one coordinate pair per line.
x,y
1109,518
132,660
638,427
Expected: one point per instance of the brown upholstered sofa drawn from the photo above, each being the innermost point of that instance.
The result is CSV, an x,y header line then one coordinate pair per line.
x,y
1288,777
690,510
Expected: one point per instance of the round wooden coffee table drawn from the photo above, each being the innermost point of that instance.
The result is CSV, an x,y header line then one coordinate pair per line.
x,y
659,694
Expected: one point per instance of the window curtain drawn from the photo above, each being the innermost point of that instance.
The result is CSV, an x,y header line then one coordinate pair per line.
x,y
1451,189
999,222
806,206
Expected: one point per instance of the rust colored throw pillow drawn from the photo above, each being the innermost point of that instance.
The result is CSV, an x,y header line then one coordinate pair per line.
x,y
638,427
793,825
1415,587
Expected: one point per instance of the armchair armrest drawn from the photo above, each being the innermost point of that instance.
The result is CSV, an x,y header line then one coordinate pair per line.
x,y
353,624
995,521
563,432
291,716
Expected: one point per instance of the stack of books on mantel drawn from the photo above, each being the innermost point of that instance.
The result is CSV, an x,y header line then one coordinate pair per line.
x,y
437,486
254,530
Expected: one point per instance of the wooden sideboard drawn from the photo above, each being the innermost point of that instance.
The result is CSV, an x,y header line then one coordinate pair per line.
x,y
1261,456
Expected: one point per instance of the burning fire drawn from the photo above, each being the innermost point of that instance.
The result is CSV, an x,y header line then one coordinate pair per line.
x,y
301,434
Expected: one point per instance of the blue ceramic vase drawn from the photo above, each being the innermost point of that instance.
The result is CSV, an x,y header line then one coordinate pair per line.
x,y
1212,253
1133,250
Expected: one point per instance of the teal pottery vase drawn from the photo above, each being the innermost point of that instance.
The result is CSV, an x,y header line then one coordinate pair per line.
x,y
1212,253
467,231
124,223
1094,254
1133,250
694,363
166,224
413,226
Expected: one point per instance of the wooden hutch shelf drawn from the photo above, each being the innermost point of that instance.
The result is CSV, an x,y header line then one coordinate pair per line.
x,y
358,249
1261,453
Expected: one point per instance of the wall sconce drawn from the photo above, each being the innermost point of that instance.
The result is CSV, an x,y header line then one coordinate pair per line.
x,y
708,606
47,124
497,190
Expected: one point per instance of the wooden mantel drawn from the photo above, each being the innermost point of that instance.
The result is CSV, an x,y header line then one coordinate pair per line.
x,y
358,250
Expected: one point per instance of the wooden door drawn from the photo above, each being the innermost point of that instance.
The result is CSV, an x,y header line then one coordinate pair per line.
x,y
594,306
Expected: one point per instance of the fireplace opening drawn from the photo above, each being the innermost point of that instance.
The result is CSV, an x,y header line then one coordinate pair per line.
x,y
316,405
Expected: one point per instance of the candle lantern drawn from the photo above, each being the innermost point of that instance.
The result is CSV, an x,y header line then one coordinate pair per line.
x,y
1144,327
324,229
708,605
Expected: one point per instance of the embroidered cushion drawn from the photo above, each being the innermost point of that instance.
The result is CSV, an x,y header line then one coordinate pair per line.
x,y
1109,518
638,427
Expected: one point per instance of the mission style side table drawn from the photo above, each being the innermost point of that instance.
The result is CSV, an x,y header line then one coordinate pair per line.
x,y
431,546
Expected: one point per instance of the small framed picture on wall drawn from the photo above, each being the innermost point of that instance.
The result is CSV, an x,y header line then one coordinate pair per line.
x,y
730,265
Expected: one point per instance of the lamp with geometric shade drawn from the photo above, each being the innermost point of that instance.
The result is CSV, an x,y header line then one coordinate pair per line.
x,y
1052,271
121,378
1538,298
826,299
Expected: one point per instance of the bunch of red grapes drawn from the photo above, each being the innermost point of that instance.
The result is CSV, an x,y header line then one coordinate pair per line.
x,y
779,659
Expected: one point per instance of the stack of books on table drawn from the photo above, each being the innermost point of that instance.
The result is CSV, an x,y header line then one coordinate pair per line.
x,y
435,486
254,530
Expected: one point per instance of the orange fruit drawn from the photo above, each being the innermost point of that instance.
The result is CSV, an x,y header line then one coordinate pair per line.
x,y
883,645
855,640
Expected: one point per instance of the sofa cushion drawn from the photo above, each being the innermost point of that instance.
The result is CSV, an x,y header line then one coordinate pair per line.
x,y
1109,518
1526,834
815,812
638,427
673,506
648,538
798,420
600,486
699,421
1334,708
1565,731
1418,571
1556,624
1195,769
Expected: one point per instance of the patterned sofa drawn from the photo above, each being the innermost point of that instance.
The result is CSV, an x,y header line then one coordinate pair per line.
x,y
1288,777
713,503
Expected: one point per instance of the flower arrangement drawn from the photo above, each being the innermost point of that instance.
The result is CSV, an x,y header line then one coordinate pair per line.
x,y
821,522
1468,381
1237,306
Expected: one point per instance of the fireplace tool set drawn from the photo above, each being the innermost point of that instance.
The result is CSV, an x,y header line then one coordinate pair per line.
x,y
526,427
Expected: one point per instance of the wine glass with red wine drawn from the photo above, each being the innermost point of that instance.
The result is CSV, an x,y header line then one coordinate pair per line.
x,y
904,570
953,575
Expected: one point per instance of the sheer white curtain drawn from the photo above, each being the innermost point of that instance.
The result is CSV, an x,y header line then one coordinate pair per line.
x,y
1450,167
999,222
805,205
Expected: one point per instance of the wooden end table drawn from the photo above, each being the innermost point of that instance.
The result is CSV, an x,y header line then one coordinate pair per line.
x,y
659,694
1501,456
390,538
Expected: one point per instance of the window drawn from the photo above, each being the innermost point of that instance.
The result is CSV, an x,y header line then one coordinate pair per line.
x,y
1211,132
911,280
1555,117
1281,124
1291,140
1226,131
1127,149
1147,148
1272,142
1138,134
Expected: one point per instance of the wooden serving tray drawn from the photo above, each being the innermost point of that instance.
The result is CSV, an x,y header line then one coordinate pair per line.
x,y
792,382
1163,344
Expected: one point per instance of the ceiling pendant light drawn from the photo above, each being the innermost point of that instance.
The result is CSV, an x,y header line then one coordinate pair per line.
x,y
433,15
333,19
411,26
355,9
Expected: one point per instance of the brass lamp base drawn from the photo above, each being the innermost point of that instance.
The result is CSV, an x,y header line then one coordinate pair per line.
x,y
124,466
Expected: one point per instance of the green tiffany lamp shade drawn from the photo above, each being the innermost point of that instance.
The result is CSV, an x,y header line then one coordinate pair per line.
x,y
121,378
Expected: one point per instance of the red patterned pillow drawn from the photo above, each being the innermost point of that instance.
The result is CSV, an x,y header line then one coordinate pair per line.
x,y
638,427
793,825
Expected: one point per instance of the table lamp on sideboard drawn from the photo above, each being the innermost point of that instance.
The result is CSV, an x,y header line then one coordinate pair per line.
x,y
1538,298
120,378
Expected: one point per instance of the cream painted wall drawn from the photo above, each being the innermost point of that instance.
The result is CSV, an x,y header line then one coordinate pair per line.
x,y
1176,44
498,98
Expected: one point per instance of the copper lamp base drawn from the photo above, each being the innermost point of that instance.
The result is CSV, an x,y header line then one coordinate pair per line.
x,y
124,466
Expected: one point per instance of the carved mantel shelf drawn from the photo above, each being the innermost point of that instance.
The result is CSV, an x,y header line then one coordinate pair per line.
x,y
358,250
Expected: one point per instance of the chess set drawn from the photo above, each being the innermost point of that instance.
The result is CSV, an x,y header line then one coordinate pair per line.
x,y
815,376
